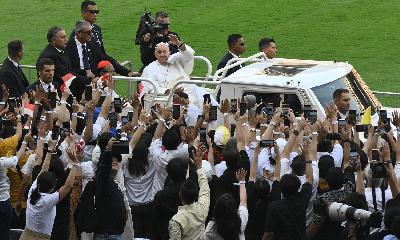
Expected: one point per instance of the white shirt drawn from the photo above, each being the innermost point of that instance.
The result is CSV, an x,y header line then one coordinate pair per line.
x,y
211,230
40,217
179,66
80,54
220,168
370,203
161,157
46,86
139,189
192,113
14,62
29,164
6,162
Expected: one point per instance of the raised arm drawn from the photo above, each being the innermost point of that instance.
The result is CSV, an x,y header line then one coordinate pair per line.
x,y
88,133
392,180
276,119
254,164
241,177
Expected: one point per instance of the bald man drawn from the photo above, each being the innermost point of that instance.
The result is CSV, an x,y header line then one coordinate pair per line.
x,y
168,69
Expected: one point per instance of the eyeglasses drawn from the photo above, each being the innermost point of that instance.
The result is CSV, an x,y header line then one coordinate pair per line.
x,y
93,11
87,32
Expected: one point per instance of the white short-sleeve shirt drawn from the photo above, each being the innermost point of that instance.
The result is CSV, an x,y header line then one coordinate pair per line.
x,y
40,217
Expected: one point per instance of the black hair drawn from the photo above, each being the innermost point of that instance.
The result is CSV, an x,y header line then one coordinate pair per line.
x,y
52,32
151,129
176,169
182,95
42,62
261,190
324,145
290,185
335,178
298,165
231,154
103,139
161,14
171,139
138,163
45,182
325,163
85,4
392,215
189,191
14,47
226,217
338,93
233,38
264,43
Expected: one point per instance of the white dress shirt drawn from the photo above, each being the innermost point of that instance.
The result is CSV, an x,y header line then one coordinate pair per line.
x,y
80,54
161,157
6,162
337,154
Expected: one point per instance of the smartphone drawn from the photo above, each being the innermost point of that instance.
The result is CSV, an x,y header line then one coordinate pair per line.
x,y
124,120
267,143
212,115
353,155
130,116
88,92
342,122
333,136
375,155
11,104
362,128
352,117
312,116
353,159
117,105
203,135
243,108
55,133
176,111
383,116
120,148
233,105
207,98
66,125
306,110
19,102
53,100
233,128
285,108
25,130
80,123
101,100
113,117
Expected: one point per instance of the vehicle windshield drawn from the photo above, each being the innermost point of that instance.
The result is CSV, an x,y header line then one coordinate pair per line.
x,y
324,93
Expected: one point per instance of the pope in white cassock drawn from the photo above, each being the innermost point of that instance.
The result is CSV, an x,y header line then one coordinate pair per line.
x,y
168,69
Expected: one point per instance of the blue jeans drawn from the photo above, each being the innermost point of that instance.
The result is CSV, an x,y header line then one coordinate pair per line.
x,y
5,219
105,236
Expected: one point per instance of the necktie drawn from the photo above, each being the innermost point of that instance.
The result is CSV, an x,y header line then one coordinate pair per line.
x,y
85,56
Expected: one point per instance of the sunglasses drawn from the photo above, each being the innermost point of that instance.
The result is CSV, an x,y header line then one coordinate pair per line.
x,y
93,11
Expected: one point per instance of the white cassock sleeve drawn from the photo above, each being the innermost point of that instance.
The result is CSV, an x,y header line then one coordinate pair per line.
x,y
184,58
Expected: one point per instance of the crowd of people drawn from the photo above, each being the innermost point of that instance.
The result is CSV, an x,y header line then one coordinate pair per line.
x,y
77,161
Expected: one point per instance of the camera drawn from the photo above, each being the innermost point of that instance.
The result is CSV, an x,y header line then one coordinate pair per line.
x,y
340,212
378,169
148,25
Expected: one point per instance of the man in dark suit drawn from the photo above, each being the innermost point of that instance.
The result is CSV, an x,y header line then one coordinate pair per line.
x,y
84,55
63,72
236,46
11,74
45,68
89,13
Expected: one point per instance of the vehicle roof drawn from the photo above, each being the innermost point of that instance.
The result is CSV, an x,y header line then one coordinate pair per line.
x,y
305,73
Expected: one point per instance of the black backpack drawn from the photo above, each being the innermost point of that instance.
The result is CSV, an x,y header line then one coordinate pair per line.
x,y
86,216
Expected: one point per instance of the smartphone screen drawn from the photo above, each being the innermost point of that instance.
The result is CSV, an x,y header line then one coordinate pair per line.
x,y
130,116
312,116
88,92
203,137
233,105
341,122
176,111
213,113
375,154
124,120
55,132
352,117
260,107
53,99
11,104
243,108
267,143
117,105
362,128
113,117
